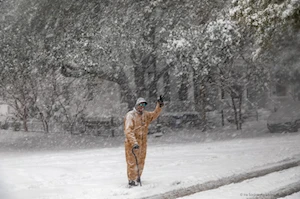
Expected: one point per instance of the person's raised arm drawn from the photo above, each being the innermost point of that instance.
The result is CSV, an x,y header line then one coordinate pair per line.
x,y
159,104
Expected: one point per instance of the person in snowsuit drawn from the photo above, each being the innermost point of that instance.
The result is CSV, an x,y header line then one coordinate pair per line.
x,y
136,124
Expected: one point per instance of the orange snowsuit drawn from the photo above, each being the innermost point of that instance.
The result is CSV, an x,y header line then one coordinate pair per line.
x,y
136,131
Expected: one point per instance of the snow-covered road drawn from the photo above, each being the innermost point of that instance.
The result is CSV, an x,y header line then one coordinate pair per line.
x,y
101,173
255,187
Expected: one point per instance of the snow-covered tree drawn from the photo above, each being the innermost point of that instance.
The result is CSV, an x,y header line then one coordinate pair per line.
x,y
16,89
47,91
218,54
207,50
73,100
17,58
116,39
268,19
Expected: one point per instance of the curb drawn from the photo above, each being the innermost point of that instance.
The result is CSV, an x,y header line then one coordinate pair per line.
x,y
280,193
214,184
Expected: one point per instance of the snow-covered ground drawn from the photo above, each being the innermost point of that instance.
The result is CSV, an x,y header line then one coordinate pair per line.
x,y
255,187
101,173
293,196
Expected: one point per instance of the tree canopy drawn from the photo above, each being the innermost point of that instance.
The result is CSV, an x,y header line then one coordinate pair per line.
x,y
269,20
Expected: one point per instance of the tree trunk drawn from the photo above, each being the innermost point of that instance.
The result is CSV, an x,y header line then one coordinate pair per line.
x,y
139,79
235,113
127,95
25,116
154,76
256,112
153,85
222,111
203,105
197,92
222,117
71,127
44,122
240,110
47,126
183,91
167,89
25,126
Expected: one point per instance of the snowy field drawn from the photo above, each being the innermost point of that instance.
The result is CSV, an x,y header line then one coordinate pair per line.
x,y
100,173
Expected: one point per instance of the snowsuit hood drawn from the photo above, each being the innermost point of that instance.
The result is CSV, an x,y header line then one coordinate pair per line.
x,y
140,100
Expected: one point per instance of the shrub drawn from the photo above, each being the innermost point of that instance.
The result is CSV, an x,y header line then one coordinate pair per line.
x,y
5,126
16,126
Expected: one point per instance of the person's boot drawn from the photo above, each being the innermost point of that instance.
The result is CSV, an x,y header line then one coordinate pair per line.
x,y
132,183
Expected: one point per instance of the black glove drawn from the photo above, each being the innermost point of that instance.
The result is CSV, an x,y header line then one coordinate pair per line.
x,y
135,146
160,101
